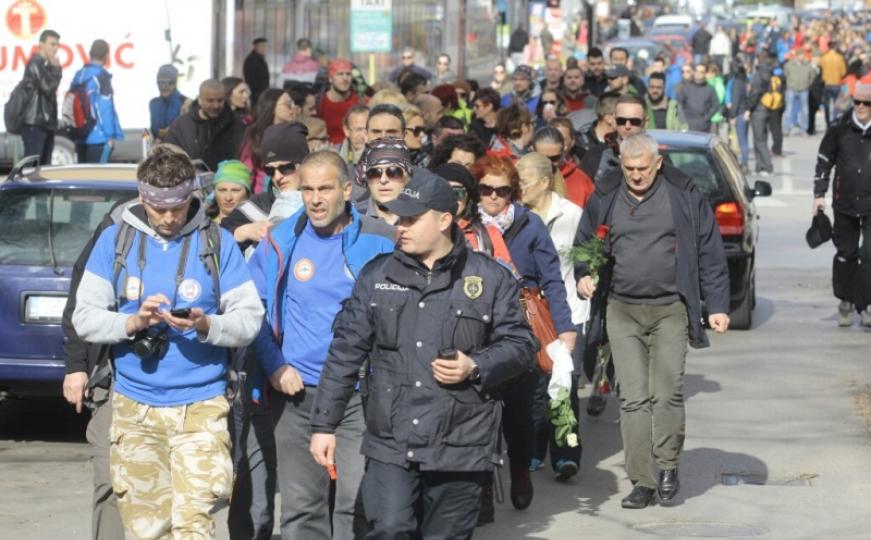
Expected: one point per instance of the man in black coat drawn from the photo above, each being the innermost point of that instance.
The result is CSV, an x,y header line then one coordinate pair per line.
x,y
210,131
666,255
255,70
846,147
39,117
442,328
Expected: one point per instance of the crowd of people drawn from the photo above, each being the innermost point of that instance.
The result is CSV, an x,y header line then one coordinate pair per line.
x,y
386,233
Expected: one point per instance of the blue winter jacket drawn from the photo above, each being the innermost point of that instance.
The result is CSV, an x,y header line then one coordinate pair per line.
x,y
535,258
164,110
101,95
362,240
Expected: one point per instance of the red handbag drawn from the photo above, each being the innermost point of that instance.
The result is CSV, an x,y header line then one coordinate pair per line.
x,y
538,316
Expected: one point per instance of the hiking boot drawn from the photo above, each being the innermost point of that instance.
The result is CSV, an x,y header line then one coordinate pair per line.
x,y
865,315
845,314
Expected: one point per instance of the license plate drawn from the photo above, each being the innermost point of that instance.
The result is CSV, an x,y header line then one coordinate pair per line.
x,y
44,309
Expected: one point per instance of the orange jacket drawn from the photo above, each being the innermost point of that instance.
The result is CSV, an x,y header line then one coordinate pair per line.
x,y
833,68
500,252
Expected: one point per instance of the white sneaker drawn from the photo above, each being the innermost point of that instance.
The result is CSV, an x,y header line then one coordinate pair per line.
x,y
845,315
865,315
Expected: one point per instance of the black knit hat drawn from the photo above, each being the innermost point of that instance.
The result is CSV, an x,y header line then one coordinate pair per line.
x,y
284,142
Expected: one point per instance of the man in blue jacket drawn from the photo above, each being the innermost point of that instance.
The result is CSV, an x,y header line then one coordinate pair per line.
x,y
667,256
107,129
304,270
167,106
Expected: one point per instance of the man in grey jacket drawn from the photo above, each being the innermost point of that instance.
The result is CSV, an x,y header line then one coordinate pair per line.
x,y
698,101
800,74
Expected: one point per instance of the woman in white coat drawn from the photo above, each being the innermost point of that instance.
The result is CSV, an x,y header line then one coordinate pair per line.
x,y
538,176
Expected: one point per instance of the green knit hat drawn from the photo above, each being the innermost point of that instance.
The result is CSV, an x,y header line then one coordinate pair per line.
x,y
233,171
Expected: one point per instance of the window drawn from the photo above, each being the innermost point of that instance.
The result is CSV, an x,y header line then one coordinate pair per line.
x,y
74,213
698,164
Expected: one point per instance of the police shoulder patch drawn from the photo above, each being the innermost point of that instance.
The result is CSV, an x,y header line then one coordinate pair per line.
x,y
473,286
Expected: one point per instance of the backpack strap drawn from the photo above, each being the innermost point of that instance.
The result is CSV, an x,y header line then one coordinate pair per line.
x,y
210,255
123,242
485,243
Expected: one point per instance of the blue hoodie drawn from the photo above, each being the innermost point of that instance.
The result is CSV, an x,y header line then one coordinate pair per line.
x,y
361,241
102,97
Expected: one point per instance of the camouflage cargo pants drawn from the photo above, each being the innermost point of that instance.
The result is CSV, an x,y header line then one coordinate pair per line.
x,y
171,467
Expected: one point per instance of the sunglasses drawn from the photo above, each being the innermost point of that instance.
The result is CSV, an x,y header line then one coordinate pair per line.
x,y
460,193
549,102
556,158
859,102
502,191
623,120
393,172
418,131
287,168
164,84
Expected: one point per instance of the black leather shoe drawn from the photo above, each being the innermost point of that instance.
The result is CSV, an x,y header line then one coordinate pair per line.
x,y
668,485
596,405
521,488
487,513
640,497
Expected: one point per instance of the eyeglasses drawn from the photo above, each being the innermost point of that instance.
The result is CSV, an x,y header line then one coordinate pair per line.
x,y
502,191
287,168
859,102
460,193
557,158
393,172
418,131
623,120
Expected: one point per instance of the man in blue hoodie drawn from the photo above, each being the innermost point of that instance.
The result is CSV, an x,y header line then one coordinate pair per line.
x,y
101,96
304,270
170,308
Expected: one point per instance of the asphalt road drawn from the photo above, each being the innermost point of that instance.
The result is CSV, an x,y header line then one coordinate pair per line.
x,y
777,444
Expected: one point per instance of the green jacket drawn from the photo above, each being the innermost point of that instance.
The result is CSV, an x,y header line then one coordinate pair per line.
x,y
720,88
673,120
463,113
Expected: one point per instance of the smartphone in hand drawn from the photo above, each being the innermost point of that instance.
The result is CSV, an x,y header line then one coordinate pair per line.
x,y
183,313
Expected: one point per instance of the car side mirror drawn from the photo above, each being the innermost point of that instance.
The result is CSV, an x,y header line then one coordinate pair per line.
x,y
761,189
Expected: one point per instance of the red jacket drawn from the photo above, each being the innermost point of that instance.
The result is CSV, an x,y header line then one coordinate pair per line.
x,y
579,187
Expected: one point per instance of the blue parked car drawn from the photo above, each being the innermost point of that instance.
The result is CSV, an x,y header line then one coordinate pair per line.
x,y
47,215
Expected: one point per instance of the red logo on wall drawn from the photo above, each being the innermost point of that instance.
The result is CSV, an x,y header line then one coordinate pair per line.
x,y
25,18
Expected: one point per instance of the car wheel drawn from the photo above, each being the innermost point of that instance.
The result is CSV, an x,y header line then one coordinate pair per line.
x,y
64,152
742,317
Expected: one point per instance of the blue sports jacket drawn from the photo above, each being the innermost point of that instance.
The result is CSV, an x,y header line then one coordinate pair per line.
x,y
102,97
362,240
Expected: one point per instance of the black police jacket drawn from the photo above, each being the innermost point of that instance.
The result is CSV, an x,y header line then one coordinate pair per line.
x,y
847,148
400,316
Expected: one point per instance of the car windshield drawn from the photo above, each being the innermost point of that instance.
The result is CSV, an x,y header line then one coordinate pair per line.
x,y
75,214
699,165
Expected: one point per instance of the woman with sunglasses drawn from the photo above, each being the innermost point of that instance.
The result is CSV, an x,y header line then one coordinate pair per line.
x,y
551,105
514,130
415,132
384,168
501,82
286,146
535,258
562,217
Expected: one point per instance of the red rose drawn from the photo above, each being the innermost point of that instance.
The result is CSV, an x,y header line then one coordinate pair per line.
x,y
602,231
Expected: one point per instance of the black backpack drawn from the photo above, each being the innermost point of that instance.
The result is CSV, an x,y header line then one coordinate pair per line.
x,y
13,111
